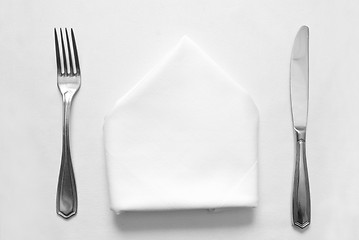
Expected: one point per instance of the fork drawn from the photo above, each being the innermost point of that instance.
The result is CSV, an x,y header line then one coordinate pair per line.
x,y
68,82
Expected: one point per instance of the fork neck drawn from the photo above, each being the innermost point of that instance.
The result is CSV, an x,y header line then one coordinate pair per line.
x,y
67,97
300,134
67,100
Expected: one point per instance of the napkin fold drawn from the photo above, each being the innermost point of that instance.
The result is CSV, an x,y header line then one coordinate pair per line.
x,y
185,137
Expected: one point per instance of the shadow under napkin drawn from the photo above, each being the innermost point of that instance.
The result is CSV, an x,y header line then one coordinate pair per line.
x,y
184,219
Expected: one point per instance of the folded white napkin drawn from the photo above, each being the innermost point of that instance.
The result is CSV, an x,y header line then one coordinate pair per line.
x,y
185,137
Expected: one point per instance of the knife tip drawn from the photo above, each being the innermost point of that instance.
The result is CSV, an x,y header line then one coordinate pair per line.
x,y
304,28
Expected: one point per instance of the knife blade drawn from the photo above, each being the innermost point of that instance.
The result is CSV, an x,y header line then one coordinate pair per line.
x,y
299,91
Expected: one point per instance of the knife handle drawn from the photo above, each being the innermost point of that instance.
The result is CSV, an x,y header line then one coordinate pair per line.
x,y
301,193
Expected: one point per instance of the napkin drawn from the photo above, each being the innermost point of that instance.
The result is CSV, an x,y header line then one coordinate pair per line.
x,y
185,137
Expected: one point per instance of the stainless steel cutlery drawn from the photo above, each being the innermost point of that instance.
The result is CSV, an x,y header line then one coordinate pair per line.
x,y
68,82
299,88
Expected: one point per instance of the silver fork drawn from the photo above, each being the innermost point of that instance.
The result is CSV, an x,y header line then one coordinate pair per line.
x,y
68,82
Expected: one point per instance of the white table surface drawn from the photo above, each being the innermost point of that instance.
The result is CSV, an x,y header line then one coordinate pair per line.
x,y
119,42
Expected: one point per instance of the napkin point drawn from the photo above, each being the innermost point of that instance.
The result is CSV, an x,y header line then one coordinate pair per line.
x,y
185,40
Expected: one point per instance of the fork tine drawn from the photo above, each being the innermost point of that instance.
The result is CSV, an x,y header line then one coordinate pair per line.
x,y
63,53
69,51
77,63
58,61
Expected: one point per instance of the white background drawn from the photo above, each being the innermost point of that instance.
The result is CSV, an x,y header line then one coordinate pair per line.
x,y
120,41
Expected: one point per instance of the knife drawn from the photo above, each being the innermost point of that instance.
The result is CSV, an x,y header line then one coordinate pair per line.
x,y
299,88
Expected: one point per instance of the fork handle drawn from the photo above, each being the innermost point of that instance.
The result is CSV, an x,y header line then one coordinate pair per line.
x,y
66,199
301,193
